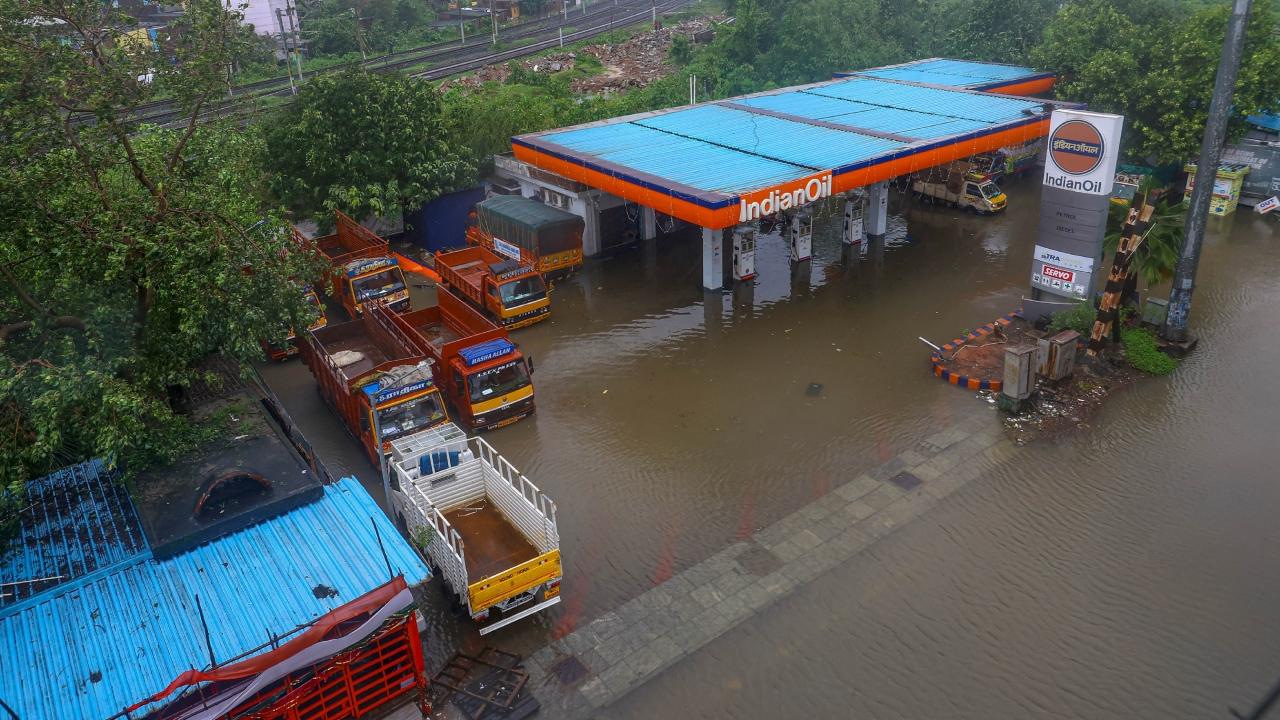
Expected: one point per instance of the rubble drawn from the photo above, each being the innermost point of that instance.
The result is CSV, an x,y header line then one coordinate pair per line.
x,y
633,63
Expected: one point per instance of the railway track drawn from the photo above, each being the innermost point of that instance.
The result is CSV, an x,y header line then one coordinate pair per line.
x,y
445,59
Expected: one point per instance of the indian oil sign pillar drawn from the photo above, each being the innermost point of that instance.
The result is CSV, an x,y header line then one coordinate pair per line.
x,y
1079,170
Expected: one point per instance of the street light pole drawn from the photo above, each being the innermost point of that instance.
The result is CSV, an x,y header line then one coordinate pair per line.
x,y
1215,131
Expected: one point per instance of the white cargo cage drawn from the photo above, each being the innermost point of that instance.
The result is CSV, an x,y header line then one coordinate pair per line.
x,y
515,551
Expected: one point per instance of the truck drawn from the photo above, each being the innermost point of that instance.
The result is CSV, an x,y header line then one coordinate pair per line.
x,y
532,233
489,530
480,371
512,294
287,349
363,268
960,184
366,366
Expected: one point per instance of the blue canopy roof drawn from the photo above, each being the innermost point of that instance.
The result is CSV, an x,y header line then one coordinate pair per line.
x,y
970,74
716,150
121,624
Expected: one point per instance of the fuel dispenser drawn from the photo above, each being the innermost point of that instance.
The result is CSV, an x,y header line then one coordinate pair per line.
x,y
854,232
744,253
800,236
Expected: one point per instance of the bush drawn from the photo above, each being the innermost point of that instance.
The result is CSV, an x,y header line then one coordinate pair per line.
x,y
1079,318
1143,354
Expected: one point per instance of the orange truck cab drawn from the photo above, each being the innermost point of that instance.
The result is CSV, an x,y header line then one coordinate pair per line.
x,y
363,268
481,372
283,351
543,237
368,365
513,295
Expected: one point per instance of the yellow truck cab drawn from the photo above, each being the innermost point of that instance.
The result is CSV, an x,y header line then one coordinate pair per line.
x,y
959,185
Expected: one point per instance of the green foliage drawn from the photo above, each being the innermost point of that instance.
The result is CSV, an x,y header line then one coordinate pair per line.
x,y
993,30
1143,354
331,27
422,537
1157,256
1078,317
1154,61
127,255
365,144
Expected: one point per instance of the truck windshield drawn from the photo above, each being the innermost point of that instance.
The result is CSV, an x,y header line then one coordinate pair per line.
x,y
378,284
411,416
496,382
524,290
989,190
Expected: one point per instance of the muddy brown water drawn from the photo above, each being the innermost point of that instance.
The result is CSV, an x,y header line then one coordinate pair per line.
x,y
1130,571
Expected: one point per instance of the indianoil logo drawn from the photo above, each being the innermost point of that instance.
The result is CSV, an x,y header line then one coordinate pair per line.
x,y
1076,147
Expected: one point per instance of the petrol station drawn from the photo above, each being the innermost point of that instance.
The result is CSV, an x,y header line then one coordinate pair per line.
x,y
723,165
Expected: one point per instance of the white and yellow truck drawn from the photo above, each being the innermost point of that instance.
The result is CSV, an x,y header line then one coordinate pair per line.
x,y
488,530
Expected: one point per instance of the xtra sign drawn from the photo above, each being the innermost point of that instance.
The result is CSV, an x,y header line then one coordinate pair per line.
x,y
1082,153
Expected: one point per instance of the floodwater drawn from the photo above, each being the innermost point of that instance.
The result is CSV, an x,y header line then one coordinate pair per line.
x,y
1130,571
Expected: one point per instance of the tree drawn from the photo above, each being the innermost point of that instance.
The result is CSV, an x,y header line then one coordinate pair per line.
x,y
1154,63
993,30
365,144
126,254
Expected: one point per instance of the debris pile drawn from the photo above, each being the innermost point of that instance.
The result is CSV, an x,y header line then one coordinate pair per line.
x,y
633,63
641,59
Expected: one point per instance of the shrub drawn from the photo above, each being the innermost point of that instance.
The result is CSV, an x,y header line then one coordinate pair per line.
x,y
1143,354
1079,318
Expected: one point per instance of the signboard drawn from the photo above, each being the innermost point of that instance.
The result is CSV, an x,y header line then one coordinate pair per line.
x,y
1267,205
1079,176
1082,153
1263,160
1062,273
505,248
396,392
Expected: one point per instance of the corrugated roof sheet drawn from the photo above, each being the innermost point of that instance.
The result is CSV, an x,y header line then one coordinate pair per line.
x,y
90,647
956,73
530,213
74,524
724,148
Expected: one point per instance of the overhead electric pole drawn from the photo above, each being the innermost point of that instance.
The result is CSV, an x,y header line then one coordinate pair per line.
x,y
290,9
493,15
1215,131
284,41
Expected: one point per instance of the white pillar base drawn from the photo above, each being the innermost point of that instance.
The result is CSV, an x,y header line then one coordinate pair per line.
x,y
877,215
648,223
712,259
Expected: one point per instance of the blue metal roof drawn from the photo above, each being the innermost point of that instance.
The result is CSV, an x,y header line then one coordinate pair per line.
x,y
90,647
954,73
74,524
743,144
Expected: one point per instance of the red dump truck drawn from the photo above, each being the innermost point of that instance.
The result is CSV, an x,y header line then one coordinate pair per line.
x,y
482,373
369,365
363,267
512,294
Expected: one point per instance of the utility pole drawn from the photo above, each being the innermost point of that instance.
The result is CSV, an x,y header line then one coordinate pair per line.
x,y
359,35
462,28
493,15
1215,131
290,9
284,41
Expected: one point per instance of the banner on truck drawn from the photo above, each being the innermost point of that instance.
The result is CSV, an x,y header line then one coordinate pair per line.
x,y
1082,152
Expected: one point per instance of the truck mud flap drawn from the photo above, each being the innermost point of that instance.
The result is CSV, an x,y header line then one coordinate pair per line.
x,y
520,615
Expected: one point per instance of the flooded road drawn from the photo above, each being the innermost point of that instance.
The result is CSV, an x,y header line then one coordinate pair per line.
x,y
1129,569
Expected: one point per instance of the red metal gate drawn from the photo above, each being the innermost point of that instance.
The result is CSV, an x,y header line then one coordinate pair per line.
x,y
350,684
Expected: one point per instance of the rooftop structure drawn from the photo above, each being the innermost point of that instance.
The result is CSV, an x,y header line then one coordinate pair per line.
x,y
710,164
965,74
112,623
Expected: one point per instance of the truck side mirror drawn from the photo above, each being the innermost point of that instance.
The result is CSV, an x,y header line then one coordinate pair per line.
x,y
530,361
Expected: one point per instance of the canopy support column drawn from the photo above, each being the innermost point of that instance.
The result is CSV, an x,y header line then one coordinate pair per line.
x,y
648,223
877,213
712,258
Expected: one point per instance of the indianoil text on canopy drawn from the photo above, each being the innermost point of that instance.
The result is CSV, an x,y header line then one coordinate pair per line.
x,y
812,190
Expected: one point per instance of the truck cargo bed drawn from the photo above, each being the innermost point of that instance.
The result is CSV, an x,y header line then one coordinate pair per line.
x,y
373,355
493,544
